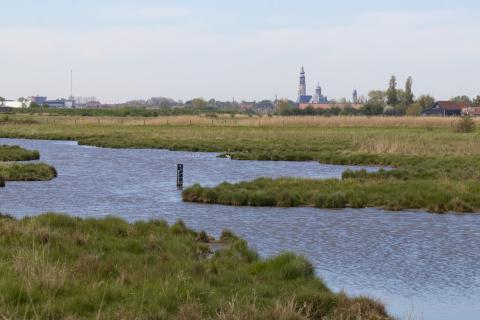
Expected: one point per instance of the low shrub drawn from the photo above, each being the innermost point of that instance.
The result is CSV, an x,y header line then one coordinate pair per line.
x,y
465,125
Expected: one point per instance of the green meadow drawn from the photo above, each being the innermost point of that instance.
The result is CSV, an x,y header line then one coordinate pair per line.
x,y
60,267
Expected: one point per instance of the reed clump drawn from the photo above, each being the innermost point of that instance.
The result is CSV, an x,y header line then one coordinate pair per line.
x,y
56,266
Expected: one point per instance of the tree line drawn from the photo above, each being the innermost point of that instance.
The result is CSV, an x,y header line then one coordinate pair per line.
x,y
392,102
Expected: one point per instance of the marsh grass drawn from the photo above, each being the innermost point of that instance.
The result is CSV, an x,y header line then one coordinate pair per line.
x,y
150,117
22,171
55,266
16,153
27,172
391,194
431,164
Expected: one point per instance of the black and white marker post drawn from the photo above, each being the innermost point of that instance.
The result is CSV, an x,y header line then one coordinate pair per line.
x,y
180,176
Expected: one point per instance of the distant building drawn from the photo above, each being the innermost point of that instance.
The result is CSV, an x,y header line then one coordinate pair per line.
x,y
60,103
355,96
93,105
318,106
15,104
318,97
471,111
302,92
38,99
445,109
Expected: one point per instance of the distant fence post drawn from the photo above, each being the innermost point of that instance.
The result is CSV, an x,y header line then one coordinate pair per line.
x,y
180,176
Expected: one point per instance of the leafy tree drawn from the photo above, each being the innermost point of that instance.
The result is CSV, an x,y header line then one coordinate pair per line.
x,y
476,102
392,94
463,98
408,91
377,96
211,103
199,103
372,108
425,101
400,109
283,107
164,104
2,99
414,109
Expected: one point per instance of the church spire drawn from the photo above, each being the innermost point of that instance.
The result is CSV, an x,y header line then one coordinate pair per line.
x,y
302,86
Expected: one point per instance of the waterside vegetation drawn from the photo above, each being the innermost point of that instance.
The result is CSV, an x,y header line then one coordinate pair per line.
x,y
10,171
55,266
434,166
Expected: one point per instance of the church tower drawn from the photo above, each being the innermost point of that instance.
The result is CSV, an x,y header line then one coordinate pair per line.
x,y
355,96
302,87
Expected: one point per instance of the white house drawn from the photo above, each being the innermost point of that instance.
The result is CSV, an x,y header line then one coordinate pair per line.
x,y
16,104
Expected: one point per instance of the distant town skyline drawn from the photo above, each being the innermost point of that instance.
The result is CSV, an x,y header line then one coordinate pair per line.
x,y
249,50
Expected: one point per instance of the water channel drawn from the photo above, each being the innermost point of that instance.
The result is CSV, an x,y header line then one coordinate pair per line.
x,y
420,265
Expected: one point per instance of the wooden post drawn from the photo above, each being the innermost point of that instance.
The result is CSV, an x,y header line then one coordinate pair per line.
x,y
2,182
180,176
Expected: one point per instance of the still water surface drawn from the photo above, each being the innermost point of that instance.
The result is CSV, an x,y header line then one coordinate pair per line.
x,y
419,264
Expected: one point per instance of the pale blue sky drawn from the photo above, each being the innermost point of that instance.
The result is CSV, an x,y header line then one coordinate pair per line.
x,y
244,49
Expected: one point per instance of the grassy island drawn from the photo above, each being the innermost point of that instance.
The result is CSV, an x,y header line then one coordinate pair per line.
x,y
434,167
55,266
23,171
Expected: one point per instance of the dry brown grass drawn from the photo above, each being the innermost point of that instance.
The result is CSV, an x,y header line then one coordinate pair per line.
x,y
256,121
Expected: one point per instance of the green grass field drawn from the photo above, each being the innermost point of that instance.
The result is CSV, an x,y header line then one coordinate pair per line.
x,y
435,168
59,267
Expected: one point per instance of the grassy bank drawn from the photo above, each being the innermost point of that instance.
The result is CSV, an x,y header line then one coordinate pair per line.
x,y
15,153
27,172
436,168
22,171
56,266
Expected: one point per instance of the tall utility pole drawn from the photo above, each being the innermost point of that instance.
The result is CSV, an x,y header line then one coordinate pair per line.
x,y
71,84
